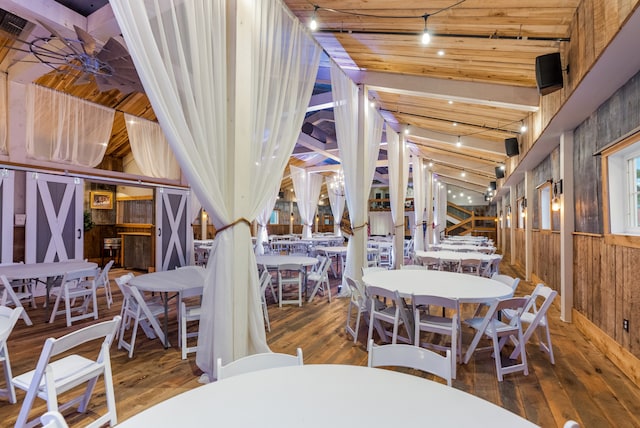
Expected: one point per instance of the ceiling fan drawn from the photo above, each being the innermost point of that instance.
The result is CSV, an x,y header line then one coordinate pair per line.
x,y
110,65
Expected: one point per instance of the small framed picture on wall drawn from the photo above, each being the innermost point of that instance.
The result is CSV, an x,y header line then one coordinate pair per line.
x,y
101,200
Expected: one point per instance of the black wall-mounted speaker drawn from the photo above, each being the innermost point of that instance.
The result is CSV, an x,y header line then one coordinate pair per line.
x,y
549,73
499,172
492,185
511,146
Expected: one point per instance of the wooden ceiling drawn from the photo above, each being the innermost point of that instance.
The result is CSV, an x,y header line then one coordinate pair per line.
x,y
473,83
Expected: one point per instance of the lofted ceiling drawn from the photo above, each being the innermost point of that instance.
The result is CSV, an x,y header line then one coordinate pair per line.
x,y
459,97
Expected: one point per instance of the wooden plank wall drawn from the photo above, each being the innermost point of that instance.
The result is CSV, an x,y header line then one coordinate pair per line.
x,y
595,24
606,289
506,245
546,258
520,257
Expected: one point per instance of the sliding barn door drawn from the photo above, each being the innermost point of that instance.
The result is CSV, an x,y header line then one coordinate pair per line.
x,y
172,228
6,215
54,226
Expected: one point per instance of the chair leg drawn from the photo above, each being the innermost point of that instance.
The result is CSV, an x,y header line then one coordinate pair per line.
x,y
11,391
109,392
55,308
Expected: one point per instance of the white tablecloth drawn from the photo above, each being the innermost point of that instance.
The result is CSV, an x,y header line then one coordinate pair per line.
x,y
466,288
325,396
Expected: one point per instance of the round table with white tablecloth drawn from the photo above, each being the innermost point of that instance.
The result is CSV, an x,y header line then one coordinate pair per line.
x,y
466,288
306,397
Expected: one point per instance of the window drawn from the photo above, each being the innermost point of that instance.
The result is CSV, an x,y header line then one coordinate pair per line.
x,y
544,198
624,189
522,212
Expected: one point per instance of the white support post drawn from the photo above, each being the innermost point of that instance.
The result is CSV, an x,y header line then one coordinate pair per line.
x,y
528,224
567,225
513,223
398,243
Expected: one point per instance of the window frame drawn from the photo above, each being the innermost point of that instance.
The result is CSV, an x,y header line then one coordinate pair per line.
x,y
618,184
544,206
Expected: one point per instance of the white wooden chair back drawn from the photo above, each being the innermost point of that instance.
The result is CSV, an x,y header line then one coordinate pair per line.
x,y
9,296
8,319
357,301
251,363
103,281
413,357
53,419
52,376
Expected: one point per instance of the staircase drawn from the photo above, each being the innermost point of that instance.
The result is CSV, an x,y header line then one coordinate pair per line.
x,y
461,221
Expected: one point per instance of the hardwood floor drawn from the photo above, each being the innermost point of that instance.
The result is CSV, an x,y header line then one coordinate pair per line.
x,y
583,385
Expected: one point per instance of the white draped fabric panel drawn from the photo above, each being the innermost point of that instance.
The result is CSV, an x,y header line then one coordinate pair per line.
x,y
65,129
418,201
3,114
263,220
358,171
336,200
150,149
231,109
397,155
306,186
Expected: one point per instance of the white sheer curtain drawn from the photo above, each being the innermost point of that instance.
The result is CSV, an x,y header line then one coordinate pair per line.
x,y
336,200
3,114
306,186
418,201
231,110
397,154
263,220
150,149
65,129
358,170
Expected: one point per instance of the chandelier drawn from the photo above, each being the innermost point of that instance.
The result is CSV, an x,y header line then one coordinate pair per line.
x,y
336,184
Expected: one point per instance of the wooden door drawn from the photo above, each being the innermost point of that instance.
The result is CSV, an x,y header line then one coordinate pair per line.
x,y
54,224
172,228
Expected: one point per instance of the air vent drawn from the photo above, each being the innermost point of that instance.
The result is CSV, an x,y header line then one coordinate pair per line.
x,y
11,23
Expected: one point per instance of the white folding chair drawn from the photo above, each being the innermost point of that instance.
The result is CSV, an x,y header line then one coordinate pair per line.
x,y
265,281
412,357
251,363
133,311
103,281
499,332
189,313
53,419
506,279
320,278
429,319
8,296
470,266
430,263
357,301
536,319
8,319
385,306
76,284
290,274
55,376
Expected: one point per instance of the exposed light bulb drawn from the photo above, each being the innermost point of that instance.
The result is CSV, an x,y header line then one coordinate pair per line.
x,y
455,123
440,53
426,37
313,24
555,204
523,127
458,143
430,164
406,130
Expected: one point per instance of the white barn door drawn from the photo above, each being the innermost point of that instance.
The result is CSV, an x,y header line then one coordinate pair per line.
x,y
54,226
172,228
7,182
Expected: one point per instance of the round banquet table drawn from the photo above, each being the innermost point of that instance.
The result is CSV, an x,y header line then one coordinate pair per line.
x,y
275,261
466,288
305,396
456,255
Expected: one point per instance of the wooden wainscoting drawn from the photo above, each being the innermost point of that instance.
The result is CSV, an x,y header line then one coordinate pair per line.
x,y
546,258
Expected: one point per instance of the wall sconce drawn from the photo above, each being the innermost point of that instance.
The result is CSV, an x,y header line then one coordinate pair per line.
x,y
557,190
